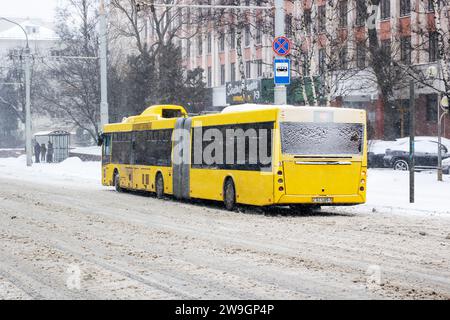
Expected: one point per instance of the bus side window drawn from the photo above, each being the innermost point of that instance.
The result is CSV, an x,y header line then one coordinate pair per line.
x,y
107,145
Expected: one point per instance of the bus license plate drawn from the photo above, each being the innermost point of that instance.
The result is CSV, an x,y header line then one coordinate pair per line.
x,y
322,200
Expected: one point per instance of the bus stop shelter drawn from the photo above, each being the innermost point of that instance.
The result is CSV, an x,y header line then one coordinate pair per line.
x,y
60,140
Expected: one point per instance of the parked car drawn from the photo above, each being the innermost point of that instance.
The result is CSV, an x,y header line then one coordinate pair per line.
x,y
426,157
446,166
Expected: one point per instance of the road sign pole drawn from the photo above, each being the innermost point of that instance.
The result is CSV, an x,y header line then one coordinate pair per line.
x,y
280,90
439,169
412,129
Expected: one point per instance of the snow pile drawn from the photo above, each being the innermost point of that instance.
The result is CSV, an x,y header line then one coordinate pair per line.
x,y
71,170
93,150
388,192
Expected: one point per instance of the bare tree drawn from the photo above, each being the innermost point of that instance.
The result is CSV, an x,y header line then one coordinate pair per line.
x,y
73,85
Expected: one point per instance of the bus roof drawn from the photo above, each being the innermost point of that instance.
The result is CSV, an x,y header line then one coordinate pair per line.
x,y
255,107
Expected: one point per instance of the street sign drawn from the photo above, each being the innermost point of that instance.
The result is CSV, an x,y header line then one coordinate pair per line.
x,y
281,46
282,71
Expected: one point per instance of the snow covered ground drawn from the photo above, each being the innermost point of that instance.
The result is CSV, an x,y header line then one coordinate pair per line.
x,y
56,220
72,171
387,190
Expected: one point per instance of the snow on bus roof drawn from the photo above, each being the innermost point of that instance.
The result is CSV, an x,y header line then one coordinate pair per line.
x,y
253,107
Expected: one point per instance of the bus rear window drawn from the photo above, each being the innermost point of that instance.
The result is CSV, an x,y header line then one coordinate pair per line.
x,y
299,138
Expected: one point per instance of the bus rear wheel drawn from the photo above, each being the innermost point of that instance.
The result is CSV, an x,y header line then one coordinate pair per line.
x,y
117,182
159,186
229,195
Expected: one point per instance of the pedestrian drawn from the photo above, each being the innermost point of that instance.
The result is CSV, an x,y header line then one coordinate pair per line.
x,y
43,152
50,152
37,151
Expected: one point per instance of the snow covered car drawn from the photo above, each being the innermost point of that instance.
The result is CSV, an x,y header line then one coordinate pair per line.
x,y
426,156
446,166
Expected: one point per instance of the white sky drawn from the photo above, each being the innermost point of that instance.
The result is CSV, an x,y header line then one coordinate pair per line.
x,y
44,9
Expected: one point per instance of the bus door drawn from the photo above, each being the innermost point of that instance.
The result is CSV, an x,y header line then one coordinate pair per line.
x,y
181,158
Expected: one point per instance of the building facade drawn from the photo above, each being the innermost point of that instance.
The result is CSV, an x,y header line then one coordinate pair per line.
x,y
331,60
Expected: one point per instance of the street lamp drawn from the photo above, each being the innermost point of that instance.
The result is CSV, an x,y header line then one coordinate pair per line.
x,y
27,95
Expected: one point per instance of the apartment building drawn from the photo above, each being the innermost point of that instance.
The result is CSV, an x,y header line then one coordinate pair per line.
x,y
406,28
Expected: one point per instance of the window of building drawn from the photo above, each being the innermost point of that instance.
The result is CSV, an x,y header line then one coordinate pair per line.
x,y
322,61
232,72
222,42
209,42
386,49
307,20
259,67
431,108
288,25
343,13
322,16
247,35
361,55
209,80
200,45
431,4
188,47
222,74
248,69
169,19
188,15
232,39
405,8
258,32
361,13
405,50
433,46
385,9
343,58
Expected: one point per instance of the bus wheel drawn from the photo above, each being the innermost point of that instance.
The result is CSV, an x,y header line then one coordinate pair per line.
x,y
117,182
159,186
229,195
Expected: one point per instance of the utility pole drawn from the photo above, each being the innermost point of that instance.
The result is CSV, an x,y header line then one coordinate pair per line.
x,y
439,166
279,90
27,72
28,107
104,117
412,129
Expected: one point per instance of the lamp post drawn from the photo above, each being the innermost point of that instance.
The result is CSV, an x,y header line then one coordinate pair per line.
x,y
104,117
27,95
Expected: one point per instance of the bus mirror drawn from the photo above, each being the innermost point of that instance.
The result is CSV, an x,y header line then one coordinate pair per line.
x,y
100,140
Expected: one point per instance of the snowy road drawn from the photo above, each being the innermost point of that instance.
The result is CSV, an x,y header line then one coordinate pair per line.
x,y
78,241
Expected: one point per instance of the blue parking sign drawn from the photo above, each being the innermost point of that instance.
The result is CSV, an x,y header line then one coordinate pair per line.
x,y
282,71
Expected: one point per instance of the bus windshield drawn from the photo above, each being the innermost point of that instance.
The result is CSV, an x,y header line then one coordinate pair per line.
x,y
301,138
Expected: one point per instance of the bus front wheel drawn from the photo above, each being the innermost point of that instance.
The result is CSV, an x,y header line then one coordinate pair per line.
x,y
159,186
229,195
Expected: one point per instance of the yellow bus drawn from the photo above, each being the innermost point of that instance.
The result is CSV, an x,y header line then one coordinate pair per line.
x,y
251,154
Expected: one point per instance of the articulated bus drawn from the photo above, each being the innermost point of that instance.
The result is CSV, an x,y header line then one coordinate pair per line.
x,y
251,154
